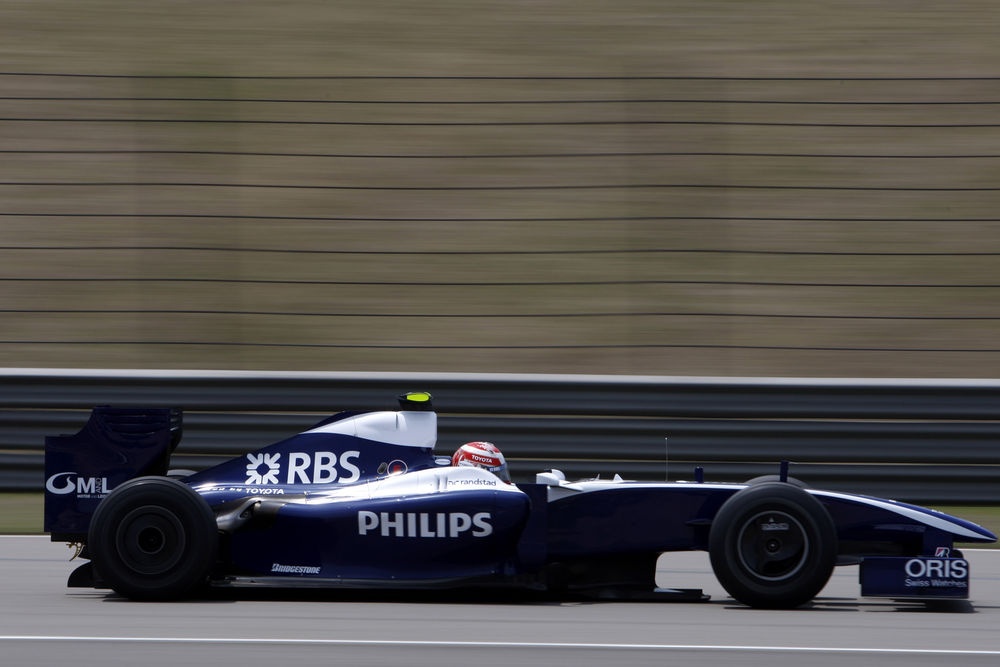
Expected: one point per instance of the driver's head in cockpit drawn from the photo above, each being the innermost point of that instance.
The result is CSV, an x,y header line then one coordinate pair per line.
x,y
483,455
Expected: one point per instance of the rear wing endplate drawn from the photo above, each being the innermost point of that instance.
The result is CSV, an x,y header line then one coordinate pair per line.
x,y
115,445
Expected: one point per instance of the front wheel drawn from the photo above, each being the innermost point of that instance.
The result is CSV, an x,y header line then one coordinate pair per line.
x,y
763,479
773,545
153,538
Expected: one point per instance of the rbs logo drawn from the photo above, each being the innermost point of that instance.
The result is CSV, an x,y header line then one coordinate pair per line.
x,y
303,468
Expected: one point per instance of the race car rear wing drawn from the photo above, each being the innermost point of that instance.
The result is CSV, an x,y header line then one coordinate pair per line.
x,y
114,446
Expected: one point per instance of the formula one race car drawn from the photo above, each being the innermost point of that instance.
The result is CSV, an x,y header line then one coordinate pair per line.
x,y
361,501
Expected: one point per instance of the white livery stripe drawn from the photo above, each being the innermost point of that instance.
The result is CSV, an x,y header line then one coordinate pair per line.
x,y
405,428
494,644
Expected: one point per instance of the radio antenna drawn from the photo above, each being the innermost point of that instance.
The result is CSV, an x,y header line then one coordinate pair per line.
x,y
666,458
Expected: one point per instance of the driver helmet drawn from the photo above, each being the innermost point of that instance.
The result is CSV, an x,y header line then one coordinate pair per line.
x,y
483,455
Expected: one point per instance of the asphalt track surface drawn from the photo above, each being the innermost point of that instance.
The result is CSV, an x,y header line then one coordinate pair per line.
x,y
44,623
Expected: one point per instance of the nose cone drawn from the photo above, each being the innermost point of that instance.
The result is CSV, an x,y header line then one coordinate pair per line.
x,y
970,532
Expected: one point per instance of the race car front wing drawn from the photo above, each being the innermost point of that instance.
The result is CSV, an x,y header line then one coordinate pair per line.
x,y
941,577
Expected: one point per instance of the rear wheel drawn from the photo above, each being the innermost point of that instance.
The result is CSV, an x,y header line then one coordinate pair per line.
x,y
773,545
153,538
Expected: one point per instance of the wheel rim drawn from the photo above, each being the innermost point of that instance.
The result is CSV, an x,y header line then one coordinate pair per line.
x,y
150,540
773,546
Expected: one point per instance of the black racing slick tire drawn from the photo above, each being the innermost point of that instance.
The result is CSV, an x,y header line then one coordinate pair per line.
x,y
773,545
153,538
763,479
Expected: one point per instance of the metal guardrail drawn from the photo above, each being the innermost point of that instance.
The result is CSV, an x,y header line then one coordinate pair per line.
x,y
918,440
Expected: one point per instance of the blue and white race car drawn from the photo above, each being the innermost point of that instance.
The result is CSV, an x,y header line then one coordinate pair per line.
x,y
362,501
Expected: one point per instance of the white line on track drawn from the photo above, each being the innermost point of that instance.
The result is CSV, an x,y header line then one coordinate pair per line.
x,y
474,644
